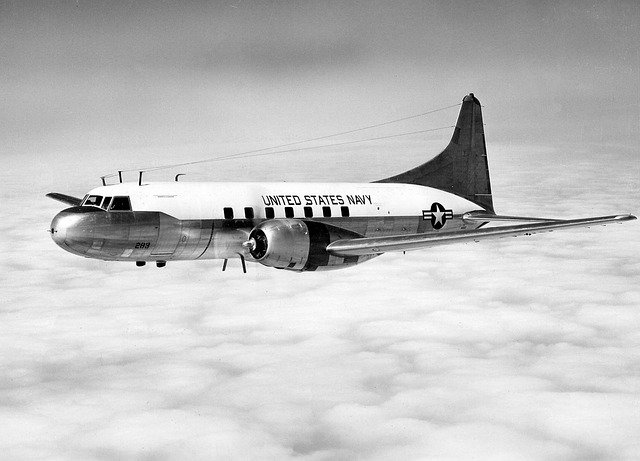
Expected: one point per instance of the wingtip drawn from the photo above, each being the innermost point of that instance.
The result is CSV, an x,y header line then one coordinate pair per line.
x,y
625,217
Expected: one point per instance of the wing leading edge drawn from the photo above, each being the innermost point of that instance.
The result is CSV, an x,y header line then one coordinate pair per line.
x,y
378,245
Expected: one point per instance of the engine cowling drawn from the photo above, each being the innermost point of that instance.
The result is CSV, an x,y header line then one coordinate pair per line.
x,y
298,245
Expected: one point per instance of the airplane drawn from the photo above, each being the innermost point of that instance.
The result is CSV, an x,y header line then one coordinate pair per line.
x,y
301,226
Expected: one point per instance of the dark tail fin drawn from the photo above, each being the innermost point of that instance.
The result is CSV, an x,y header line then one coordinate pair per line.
x,y
462,167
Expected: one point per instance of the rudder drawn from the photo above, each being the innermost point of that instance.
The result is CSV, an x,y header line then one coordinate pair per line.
x,y
462,167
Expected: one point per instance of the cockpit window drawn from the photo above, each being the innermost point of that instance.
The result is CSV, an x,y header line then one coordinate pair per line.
x,y
93,200
105,203
120,204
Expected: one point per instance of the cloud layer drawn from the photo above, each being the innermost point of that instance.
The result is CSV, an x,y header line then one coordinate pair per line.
x,y
516,349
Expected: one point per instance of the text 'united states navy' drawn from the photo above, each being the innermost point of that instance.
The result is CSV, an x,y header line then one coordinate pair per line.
x,y
309,200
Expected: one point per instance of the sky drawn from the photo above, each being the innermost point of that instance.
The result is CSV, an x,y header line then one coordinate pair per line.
x,y
523,348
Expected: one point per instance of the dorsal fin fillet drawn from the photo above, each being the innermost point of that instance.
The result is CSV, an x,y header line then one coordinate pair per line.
x,y
462,167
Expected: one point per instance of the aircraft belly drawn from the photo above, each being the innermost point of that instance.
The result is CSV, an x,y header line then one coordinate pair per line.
x,y
149,236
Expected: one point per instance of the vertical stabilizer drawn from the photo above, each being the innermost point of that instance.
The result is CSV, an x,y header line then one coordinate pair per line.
x,y
462,167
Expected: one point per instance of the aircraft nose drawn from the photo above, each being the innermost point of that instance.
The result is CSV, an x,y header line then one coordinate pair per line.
x,y
64,225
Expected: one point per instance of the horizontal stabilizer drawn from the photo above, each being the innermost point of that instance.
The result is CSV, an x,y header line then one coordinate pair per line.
x,y
68,199
378,245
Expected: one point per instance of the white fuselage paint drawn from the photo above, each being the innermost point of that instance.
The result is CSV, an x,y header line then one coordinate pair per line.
x,y
207,200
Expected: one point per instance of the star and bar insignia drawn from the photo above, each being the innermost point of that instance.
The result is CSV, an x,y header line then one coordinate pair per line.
x,y
438,215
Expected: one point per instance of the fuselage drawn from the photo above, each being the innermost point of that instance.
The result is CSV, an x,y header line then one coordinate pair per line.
x,y
190,220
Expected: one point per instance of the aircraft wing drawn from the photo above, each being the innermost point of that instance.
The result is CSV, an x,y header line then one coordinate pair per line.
x,y
378,245
68,199
484,216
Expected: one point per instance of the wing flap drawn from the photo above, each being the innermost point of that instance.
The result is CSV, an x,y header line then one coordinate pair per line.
x,y
484,216
378,245
68,199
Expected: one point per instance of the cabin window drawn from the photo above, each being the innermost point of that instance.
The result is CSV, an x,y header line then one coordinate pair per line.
x,y
120,204
93,200
288,211
345,211
228,213
106,202
268,212
248,212
326,211
308,212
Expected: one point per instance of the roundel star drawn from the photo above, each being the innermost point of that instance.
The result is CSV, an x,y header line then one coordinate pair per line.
x,y
438,215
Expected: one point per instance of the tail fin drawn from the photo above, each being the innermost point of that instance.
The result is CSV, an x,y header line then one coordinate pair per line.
x,y
462,167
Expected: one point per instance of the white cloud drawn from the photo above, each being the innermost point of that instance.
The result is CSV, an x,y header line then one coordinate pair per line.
x,y
515,349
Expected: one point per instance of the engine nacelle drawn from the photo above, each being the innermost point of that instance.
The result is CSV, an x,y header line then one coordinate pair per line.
x,y
298,245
